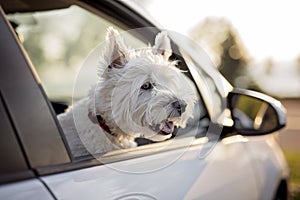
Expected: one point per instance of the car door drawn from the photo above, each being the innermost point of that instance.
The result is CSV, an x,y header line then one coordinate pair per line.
x,y
174,169
218,176
17,179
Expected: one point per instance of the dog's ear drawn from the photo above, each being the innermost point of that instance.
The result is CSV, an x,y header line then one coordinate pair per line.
x,y
115,52
162,45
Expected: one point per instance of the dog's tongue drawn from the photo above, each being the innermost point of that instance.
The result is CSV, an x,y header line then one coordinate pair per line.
x,y
168,127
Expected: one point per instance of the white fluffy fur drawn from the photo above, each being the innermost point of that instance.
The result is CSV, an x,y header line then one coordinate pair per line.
x,y
127,109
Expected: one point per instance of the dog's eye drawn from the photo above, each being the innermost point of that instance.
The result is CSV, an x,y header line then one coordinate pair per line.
x,y
147,86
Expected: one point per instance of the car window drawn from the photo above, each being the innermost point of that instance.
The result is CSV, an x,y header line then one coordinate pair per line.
x,y
64,46
57,43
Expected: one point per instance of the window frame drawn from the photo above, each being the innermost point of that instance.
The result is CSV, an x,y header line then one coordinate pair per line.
x,y
16,165
26,104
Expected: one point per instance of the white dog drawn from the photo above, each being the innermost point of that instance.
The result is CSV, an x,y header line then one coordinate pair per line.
x,y
139,94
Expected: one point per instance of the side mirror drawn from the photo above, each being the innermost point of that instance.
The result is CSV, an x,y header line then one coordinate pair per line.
x,y
255,113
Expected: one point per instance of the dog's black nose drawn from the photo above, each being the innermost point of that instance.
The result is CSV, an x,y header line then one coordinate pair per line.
x,y
180,106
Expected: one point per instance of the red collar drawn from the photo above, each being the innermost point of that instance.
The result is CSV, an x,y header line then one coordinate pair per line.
x,y
98,119
103,125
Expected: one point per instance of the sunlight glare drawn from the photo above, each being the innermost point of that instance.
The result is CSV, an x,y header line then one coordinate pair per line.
x,y
267,28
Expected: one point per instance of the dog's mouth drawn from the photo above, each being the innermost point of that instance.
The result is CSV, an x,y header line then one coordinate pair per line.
x,y
166,127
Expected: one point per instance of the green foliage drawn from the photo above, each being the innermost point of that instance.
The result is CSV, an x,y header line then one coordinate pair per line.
x,y
293,160
223,44
62,37
233,64
35,52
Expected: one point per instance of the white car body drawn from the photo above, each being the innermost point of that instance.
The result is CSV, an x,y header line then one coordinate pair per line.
x,y
235,169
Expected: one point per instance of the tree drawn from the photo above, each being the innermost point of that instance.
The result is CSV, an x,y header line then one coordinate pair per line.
x,y
220,40
233,63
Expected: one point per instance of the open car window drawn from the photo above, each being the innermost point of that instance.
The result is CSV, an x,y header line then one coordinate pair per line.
x,y
57,42
64,46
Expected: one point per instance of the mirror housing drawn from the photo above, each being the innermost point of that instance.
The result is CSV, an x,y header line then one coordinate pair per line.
x,y
254,113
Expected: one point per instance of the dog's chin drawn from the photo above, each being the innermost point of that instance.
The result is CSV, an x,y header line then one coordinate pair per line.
x,y
162,131
158,137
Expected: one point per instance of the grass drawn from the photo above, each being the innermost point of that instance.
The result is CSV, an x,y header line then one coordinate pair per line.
x,y
293,160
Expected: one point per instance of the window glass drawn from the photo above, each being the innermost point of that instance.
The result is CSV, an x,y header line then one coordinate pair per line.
x,y
57,43
65,46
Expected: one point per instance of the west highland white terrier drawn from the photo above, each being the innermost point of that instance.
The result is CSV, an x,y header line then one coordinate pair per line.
x,y
140,94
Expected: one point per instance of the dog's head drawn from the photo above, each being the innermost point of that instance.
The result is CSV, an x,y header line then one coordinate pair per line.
x,y
141,92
